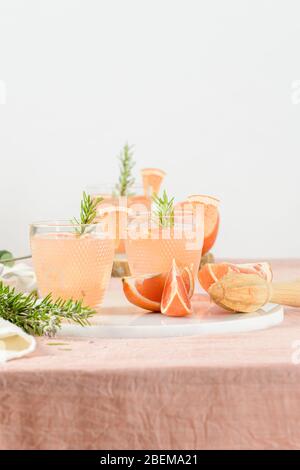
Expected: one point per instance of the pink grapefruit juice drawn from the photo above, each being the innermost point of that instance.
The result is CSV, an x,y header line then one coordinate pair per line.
x,y
155,253
72,266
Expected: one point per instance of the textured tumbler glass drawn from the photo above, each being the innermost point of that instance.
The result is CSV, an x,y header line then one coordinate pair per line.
x,y
72,261
136,201
153,242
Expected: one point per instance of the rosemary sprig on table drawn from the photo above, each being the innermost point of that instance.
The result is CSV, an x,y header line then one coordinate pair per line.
x,y
164,209
88,213
40,317
126,181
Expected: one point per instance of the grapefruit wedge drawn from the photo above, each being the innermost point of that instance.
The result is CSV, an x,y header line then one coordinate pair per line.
x,y
175,301
146,291
152,286
211,219
131,290
213,272
152,180
211,216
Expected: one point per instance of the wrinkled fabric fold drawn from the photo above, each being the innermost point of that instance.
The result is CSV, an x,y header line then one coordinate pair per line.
x,y
14,342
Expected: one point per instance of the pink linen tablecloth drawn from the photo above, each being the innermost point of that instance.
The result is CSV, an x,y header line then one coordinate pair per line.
x,y
223,392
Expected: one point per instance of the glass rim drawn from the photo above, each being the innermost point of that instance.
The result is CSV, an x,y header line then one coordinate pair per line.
x,y
61,223
177,212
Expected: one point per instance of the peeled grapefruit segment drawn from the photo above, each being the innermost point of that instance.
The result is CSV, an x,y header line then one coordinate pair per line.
x,y
211,273
152,180
175,301
146,291
211,218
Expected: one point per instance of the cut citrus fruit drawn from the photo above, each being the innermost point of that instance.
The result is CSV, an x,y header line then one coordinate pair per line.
x,y
136,298
188,279
211,273
139,203
146,291
175,301
211,218
152,180
152,286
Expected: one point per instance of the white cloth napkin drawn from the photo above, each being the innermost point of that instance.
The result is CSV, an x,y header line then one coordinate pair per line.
x,y
21,277
14,342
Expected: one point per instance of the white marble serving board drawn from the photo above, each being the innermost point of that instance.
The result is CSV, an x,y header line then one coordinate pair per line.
x,y
119,319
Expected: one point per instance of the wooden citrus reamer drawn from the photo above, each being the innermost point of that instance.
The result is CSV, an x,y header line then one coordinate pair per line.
x,y
249,292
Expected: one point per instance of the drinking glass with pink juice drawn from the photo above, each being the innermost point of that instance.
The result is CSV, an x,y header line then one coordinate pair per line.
x,y
135,201
152,244
72,261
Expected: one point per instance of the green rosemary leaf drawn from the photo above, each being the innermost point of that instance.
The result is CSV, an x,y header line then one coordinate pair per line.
x,y
164,209
88,213
40,317
126,180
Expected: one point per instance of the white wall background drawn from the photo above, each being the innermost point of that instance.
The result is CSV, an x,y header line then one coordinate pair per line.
x,y
203,88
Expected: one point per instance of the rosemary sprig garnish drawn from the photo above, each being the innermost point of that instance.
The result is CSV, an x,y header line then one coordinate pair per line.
x,y
88,212
126,181
40,317
164,209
